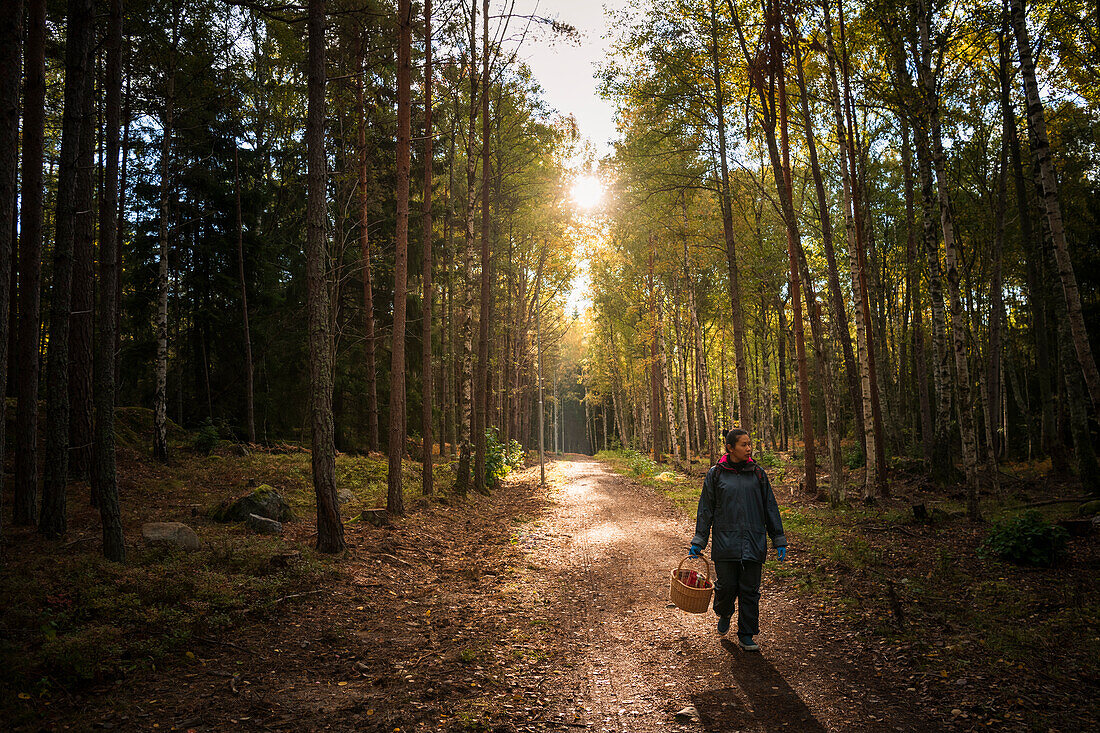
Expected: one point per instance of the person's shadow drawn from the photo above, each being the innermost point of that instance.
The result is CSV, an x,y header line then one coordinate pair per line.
x,y
762,699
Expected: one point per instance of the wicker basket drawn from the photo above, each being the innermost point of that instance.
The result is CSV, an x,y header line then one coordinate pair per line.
x,y
692,600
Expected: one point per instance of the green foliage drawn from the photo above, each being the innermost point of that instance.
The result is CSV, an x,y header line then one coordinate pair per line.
x,y
206,438
1028,539
767,458
640,463
854,458
500,458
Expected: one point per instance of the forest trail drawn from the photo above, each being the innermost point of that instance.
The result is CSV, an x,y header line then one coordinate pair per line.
x,y
532,609
639,660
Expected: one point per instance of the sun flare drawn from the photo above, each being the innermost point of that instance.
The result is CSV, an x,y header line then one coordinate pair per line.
x,y
587,191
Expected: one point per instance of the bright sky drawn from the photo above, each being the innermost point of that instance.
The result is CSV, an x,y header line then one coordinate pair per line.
x,y
566,70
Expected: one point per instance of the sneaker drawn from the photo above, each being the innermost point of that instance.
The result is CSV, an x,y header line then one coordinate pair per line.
x,y
745,642
723,625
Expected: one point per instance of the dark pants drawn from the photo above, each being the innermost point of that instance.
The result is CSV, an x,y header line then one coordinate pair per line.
x,y
740,580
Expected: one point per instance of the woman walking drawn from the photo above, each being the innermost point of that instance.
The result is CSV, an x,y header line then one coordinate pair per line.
x,y
737,503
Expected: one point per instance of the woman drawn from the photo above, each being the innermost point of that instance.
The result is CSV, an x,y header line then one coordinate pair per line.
x,y
738,504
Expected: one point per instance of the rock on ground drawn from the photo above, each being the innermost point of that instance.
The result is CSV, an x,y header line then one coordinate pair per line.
x,y
263,525
171,534
264,501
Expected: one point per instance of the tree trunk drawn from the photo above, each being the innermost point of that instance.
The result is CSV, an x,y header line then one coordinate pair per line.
x,y
446,398
83,292
104,479
781,341
958,317
330,528
744,408
31,213
11,52
481,399
654,364
703,382
80,35
670,411
1040,147
836,297
462,476
160,398
250,405
782,172
369,344
876,467
395,499
427,401
1033,273
912,286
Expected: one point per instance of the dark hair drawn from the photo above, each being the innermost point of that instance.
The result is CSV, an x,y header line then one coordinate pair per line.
x,y
733,435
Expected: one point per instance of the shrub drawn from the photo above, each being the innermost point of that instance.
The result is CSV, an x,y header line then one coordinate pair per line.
x,y
854,457
500,458
206,439
640,463
1028,539
767,458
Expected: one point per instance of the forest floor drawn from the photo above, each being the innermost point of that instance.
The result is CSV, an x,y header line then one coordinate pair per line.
x,y
538,609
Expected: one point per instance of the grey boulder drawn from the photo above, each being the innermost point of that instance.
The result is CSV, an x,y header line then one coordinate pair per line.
x,y
263,501
170,534
263,525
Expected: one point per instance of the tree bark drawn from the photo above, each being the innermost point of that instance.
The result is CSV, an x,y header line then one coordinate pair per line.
x,y
369,344
481,398
1040,147
330,528
11,52
462,476
80,35
1033,273
861,309
427,400
670,411
782,171
83,292
31,215
912,287
160,398
876,468
836,297
744,408
395,500
250,405
104,478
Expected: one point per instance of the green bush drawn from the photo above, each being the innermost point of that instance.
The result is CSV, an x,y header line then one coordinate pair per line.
x,y
206,439
854,457
1028,539
500,458
767,458
640,463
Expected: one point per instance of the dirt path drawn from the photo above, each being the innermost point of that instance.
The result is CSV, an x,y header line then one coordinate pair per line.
x,y
529,610
638,661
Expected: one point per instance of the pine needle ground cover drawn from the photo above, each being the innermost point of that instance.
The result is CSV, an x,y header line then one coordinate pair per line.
x,y
932,598
72,620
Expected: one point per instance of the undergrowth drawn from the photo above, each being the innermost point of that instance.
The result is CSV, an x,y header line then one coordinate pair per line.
x,y
75,619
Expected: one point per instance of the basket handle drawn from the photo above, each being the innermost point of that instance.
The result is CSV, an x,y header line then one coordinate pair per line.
x,y
697,557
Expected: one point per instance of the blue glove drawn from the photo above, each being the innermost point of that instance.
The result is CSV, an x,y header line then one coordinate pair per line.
x,y
782,553
694,551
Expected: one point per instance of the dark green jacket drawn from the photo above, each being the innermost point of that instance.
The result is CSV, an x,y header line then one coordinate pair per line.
x,y
737,503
